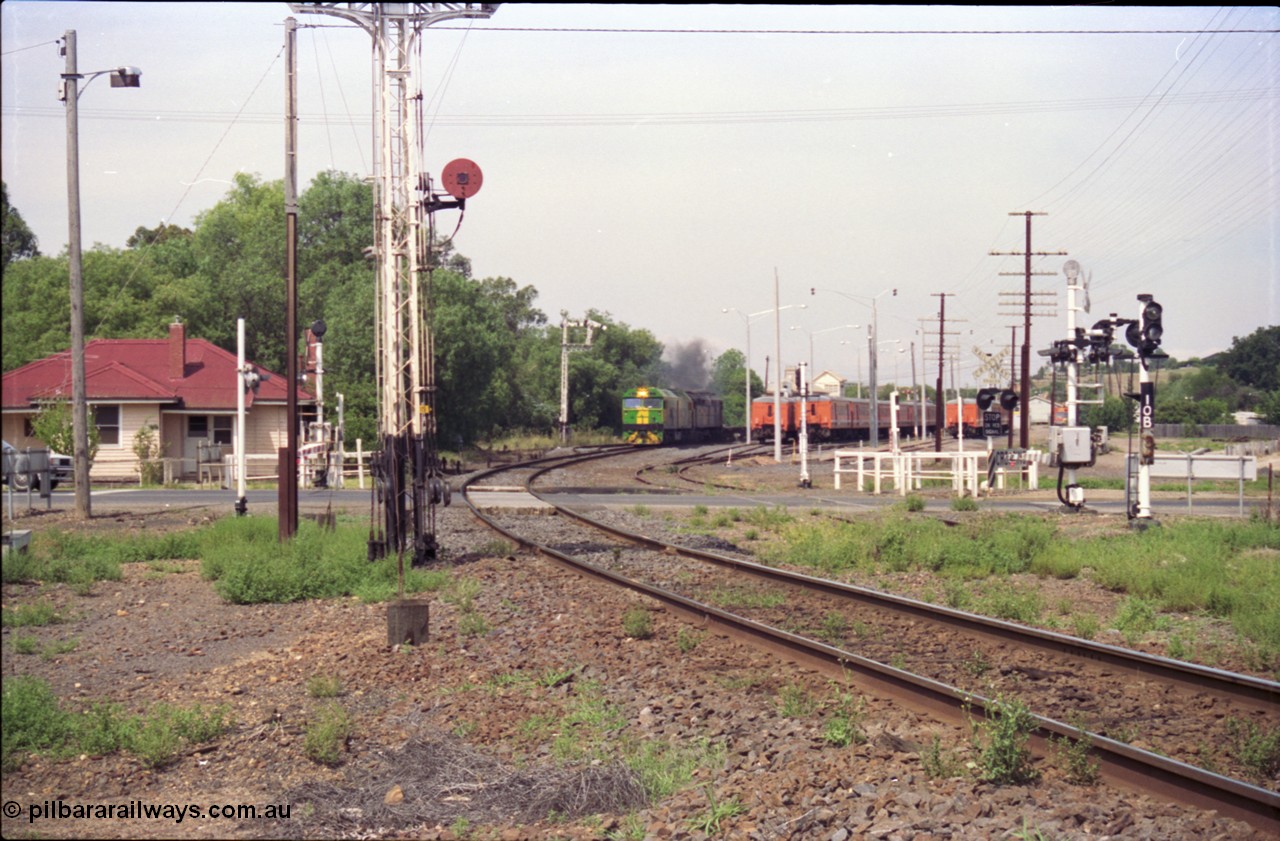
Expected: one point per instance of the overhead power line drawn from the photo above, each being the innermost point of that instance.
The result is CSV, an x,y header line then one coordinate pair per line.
x,y
898,112
642,31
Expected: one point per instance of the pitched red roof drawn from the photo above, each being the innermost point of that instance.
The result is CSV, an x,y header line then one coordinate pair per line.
x,y
139,370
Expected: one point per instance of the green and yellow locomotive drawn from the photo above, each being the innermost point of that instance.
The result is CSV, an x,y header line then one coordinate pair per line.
x,y
652,416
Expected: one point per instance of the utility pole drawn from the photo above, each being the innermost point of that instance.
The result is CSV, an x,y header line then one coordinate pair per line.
x,y
939,402
69,92
1027,254
287,493
79,396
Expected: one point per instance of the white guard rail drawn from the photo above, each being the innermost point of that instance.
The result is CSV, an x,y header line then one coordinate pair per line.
x,y
909,470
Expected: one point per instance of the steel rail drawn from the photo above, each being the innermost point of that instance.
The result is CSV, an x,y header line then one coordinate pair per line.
x,y
1258,692
1119,763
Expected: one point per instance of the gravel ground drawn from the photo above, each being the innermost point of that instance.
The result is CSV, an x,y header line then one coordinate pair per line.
x,y
517,726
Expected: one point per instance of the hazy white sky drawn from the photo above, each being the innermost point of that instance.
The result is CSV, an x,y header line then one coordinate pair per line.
x,y
663,176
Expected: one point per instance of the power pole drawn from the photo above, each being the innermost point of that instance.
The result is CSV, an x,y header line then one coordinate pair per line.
x,y
939,403
79,389
1025,426
287,488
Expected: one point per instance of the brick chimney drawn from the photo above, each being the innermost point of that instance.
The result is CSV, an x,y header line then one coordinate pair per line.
x,y
177,350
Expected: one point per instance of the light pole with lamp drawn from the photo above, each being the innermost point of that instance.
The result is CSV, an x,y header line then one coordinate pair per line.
x,y
857,365
747,318
872,330
812,333
69,92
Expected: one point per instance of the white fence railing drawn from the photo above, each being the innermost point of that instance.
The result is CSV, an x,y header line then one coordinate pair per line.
x,y
910,470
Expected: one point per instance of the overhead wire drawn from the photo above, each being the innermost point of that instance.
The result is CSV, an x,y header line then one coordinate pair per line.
x,y
195,180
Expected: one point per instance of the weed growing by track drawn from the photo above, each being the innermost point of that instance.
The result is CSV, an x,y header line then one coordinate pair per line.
x,y
1225,569
35,721
248,564
1004,757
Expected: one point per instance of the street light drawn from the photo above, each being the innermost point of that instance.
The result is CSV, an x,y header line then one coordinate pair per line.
x,y
747,318
69,92
872,331
812,333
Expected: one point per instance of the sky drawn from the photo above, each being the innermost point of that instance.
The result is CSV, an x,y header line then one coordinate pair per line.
x,y
666,163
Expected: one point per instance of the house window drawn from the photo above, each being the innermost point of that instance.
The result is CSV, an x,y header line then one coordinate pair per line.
x,y
197,426
222,430
107,420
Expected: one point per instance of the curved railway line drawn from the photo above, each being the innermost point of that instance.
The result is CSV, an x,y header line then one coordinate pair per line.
x,y
946,663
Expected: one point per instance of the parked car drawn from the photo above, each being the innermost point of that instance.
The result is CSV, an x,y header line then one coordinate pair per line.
x,y
63,467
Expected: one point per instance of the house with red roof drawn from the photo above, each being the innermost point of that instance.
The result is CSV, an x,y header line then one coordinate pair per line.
x,y
184,387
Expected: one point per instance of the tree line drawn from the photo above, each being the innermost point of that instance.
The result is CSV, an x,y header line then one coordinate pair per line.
x,y
497,355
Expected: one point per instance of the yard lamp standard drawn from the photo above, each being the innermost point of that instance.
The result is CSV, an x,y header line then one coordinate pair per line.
x,y
812,333
69,92
747,318
857,365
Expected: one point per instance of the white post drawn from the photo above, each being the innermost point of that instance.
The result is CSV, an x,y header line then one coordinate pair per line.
x,y
805,481
777,369
360,463
242,502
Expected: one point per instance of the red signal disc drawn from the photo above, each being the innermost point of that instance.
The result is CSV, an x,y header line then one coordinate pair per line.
x,y
462,178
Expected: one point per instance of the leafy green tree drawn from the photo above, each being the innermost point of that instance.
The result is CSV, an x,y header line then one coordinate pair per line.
x,y
16,239
1194,412
1268,407
729,380
1254,361
35,310
1115,413
1198,384
238,248
54,426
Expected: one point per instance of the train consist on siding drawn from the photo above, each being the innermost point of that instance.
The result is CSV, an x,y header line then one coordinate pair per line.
x,y
830,418
653,416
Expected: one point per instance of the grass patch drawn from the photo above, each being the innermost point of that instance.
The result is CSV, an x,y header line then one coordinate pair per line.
x,y
1002,738
794,701
69,557
664,768
844,727
1256,747
1221,568
637,623
36,722
31,615
248,564
327,734
940,764
324,686
746,597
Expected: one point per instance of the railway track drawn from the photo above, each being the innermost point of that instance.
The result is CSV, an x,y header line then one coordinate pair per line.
x,y
1084,693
